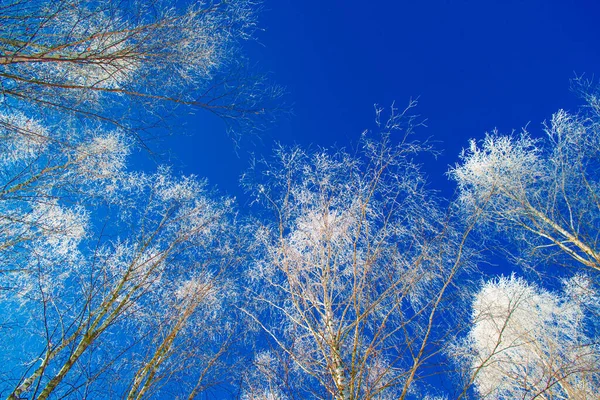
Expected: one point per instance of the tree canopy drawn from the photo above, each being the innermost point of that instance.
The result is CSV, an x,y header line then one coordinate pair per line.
x,y
347,277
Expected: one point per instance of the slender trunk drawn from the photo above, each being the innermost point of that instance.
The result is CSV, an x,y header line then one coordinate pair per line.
x,y
338,372
54,382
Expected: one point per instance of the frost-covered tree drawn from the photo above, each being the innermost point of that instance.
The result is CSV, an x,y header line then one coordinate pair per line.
x,y
351,272
114,283
541,195
39,167
124,61
544,192
529,343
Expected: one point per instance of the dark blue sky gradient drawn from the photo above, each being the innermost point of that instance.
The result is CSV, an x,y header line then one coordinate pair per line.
x,y
475,65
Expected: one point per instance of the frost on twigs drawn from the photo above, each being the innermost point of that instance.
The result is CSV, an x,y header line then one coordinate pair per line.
x,y
526,342
127,62
264,378
545,191
500,169
21,138
103,155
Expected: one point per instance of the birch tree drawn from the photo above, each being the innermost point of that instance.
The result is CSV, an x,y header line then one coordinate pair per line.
x,y
543,191
529,343
112,280
541,195
351,272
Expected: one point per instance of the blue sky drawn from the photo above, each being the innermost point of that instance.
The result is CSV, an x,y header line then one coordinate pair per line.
x,y
475,65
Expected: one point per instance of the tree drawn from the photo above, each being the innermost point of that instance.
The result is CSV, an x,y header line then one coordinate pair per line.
x,y
542,196
111,280
127,62
351,274
526,342
544,191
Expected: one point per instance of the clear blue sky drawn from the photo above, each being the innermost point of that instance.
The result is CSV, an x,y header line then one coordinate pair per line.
x,y
474,64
